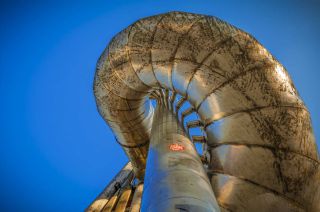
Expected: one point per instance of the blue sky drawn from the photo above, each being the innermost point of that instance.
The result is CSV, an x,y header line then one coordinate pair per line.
x,y
57,153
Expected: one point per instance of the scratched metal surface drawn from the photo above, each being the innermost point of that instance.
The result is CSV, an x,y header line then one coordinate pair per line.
x,y
175,179
263,152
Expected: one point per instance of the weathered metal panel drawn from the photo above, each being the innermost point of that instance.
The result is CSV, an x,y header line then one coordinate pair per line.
x,y
136,200
124,200
120,180
111,204
245,99
175,178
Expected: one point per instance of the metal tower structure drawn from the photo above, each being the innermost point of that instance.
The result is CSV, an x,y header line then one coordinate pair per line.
x,y
259,151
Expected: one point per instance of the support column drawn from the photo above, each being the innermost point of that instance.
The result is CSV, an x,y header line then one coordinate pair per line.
x,y
175,179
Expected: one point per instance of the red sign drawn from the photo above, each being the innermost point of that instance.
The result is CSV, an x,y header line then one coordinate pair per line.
x,y
176,147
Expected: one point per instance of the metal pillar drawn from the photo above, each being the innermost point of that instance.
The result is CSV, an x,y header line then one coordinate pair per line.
x,y
175,179
109,195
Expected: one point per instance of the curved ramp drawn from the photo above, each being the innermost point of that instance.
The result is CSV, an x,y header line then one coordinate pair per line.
x,y
260,142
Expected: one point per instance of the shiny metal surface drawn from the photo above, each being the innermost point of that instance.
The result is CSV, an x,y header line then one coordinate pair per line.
x,y
111,204
123,202
258,130
122,179
136,199
248,196
175,179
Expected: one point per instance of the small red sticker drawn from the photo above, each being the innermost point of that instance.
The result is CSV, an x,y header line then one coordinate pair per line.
x,y
176,147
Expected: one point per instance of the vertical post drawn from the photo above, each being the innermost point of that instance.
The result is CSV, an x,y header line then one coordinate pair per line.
x,y
175,179
107,196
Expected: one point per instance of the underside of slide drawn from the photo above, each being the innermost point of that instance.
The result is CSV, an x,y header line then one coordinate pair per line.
x,y
259,149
